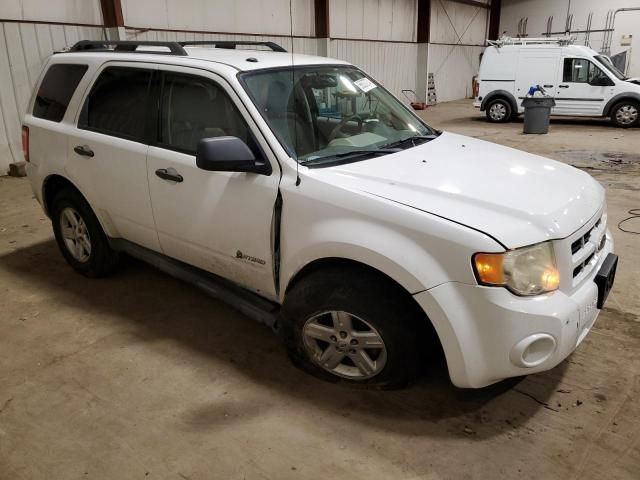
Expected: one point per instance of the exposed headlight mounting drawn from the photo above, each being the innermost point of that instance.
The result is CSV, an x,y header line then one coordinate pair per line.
x,y
525,271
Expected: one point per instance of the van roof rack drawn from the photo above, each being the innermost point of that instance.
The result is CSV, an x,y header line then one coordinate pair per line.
x,y
565,40
232,44
172,48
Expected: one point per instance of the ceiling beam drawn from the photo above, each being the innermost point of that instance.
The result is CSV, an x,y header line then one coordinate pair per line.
x,y
494,19
322,18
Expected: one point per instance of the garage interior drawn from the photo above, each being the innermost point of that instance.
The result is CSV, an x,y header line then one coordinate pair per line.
x,y
140,375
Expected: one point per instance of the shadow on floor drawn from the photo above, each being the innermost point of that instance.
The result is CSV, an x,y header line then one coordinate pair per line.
x,y
150,306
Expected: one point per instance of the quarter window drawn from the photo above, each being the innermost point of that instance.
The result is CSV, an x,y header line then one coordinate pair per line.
x,y
194,108
580,70
117,104
56,90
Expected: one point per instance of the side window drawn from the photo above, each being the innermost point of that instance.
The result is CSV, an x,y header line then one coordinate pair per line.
x,y
580,70
56,90
117,103
193,108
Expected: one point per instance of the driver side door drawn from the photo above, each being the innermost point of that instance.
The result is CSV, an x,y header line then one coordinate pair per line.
x,y
217,221
576,94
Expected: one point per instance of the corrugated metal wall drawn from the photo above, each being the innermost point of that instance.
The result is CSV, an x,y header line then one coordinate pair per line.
x,y
23,48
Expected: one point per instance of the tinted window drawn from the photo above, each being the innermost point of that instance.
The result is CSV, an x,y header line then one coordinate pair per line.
x,y
117,103
194,108
56,91
580,70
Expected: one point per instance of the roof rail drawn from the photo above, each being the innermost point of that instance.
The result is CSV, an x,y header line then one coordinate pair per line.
x,y
232,44
127,46
565,40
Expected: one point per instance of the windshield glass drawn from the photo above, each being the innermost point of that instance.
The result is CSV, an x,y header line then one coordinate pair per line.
x,y
606,61
330,112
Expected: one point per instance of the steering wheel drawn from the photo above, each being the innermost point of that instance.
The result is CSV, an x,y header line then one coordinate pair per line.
x,y
334,133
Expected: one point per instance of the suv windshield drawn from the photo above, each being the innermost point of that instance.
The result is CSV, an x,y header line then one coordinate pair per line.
x,y
608,64
322,114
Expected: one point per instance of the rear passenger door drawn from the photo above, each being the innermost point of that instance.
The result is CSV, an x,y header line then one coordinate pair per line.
x,y
221,222
107,152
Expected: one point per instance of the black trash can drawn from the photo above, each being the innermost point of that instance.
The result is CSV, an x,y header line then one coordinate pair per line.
x,y
537,111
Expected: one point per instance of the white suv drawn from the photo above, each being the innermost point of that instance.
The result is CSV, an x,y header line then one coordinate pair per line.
x,y
313,200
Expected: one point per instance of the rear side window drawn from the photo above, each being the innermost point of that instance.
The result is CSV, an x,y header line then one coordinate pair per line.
x,y
56,90
117,103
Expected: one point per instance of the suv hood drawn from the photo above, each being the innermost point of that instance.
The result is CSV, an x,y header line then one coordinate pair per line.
x,y
516,197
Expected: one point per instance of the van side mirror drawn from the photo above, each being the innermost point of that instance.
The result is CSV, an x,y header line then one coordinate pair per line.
x,y
228,154
601,81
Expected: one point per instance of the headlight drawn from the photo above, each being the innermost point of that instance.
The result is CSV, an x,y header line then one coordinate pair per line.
x,y
525,271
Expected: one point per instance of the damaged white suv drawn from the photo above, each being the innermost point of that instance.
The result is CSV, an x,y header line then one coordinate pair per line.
x,y
313,200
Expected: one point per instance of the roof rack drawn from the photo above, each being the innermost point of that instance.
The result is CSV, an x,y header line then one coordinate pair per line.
x,y
232,44
127,46
565,40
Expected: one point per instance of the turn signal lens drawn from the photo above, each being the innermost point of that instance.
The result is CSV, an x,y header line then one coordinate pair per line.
x,y
525,271
489,268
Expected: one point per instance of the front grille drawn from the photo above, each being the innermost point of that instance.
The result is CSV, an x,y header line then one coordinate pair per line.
x,y
584,250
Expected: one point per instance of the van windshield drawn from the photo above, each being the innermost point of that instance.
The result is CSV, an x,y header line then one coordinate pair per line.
x,y
324,113
608,64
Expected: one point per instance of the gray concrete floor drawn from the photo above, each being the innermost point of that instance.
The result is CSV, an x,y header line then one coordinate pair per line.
x,y
142,376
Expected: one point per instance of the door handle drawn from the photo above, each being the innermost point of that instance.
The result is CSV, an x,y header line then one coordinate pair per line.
x,y
563,86
169,174
548,86
83,150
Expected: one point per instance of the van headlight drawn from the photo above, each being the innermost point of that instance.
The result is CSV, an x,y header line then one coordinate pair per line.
x,y
525,271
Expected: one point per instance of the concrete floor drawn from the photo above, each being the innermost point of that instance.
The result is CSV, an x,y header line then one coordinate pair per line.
x,y
142,376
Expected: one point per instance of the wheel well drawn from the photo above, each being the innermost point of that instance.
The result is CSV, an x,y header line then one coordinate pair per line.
x,y
614,102
427,329
500,95
54,184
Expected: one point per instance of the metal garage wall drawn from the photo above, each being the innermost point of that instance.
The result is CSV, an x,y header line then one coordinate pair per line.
x,y
392,20
24,46
270,17
458,35
537,13
392,64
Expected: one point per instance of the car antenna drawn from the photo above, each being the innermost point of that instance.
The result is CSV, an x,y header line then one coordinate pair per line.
x,y
293,79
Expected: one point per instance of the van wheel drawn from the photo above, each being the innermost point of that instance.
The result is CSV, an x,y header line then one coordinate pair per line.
x,y
80,237
499,111
345,326
625,114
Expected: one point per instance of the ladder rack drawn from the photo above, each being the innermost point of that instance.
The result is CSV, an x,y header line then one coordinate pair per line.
x,y
562,41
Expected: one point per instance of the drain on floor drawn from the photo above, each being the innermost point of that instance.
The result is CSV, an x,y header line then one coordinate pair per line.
x,y
602,161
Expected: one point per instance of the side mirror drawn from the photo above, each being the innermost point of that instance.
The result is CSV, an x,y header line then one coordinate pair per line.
x,y
228,154
601,81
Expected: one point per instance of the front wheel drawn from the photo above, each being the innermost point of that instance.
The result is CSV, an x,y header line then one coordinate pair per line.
x,y
352,327
499,111
625,114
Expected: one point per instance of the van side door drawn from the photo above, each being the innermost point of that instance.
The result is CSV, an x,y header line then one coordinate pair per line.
x,y
107,150
583,88
222,222
536,66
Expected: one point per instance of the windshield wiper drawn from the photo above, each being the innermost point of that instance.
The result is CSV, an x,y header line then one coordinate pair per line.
x,y
400,143
351,154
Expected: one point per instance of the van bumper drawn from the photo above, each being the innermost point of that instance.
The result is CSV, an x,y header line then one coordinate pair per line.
x,y
489,334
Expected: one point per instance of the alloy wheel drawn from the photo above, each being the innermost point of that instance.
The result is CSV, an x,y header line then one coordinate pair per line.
x,y
75,234
627,114
344,345
497,111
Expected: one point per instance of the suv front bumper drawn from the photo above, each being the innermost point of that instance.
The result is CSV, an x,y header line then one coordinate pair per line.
x,y
489,334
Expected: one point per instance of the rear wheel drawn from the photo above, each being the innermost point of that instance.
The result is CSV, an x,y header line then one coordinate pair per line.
x,y
355,327
79,235
498,110
626,114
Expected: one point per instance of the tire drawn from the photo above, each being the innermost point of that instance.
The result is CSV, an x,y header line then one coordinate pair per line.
x,y
375,307
626,114
83,244
498,110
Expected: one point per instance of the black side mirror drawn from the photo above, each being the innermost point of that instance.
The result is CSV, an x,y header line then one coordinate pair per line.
x,y
228,154
601,81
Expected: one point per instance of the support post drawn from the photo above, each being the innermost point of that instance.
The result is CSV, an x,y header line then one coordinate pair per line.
x,y
494,19
113,19
423,32
322,26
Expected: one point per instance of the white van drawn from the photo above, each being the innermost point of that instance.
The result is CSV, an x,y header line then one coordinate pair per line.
x,y
583,82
